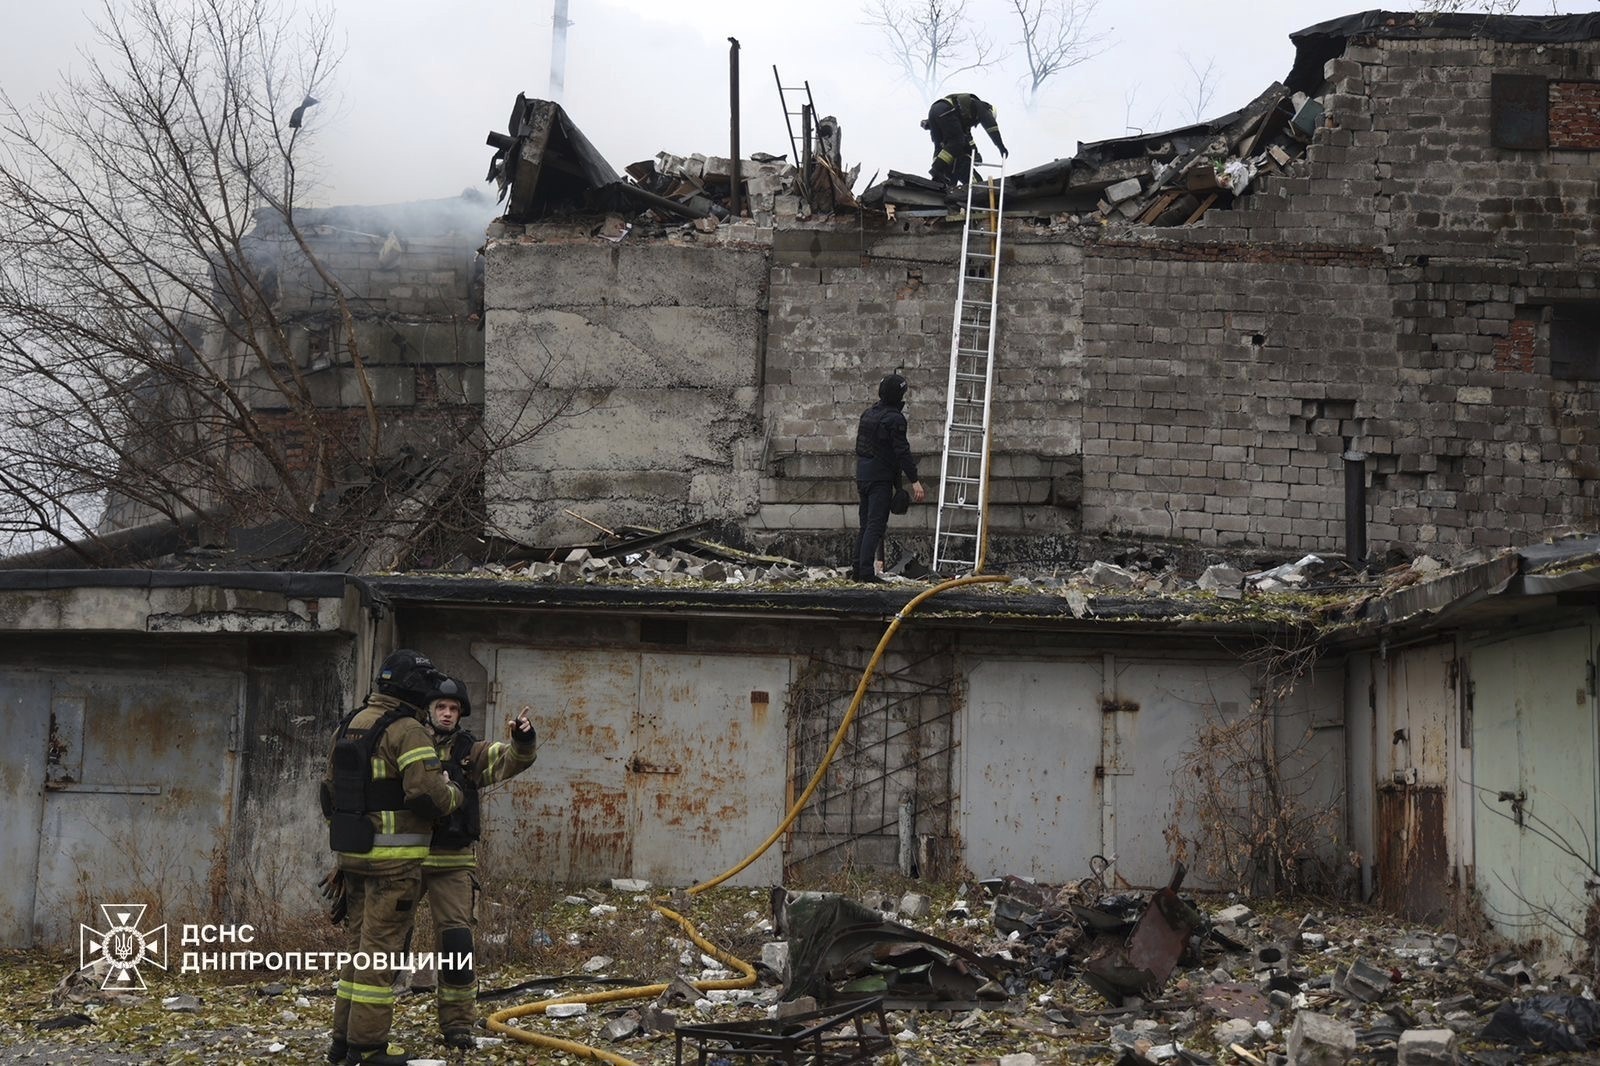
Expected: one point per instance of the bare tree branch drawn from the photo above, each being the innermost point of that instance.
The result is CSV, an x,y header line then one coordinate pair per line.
x,y
166,320
930,41
1202,86
1055,37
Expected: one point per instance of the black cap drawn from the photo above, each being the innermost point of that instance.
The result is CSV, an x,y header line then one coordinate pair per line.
x,y
408,676
892,389
448,688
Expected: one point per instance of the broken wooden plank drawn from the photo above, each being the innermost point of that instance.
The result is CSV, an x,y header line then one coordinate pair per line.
x,y
1162,202
1205,205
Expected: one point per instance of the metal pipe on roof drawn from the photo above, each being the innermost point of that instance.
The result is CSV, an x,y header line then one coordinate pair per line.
x,y
558,50
1355,509
735,193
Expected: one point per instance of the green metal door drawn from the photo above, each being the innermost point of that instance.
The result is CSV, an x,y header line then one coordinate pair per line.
x,y
1533,764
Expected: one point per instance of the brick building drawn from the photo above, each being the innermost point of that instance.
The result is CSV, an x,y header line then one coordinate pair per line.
x,y
1417,286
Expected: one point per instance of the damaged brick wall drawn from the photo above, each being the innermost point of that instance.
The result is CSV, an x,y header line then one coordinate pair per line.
x,y
1406,289
1221,384
1400,289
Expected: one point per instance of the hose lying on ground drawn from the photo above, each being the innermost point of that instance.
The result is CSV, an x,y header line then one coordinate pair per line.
x,y
498,1020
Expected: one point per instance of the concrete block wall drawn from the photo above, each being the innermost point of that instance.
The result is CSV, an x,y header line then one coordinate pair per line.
x,y
847,308
1392,292
1400,279
1221,388
625,381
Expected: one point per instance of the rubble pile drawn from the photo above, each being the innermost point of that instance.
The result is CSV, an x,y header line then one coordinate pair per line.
x,y
641,555
1177,176
1007,971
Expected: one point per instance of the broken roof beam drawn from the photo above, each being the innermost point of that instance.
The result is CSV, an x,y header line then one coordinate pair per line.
x,y
545,161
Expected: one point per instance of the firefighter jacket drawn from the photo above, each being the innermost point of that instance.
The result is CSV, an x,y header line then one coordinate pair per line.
x,y
974,110
472,764
882,450
404,752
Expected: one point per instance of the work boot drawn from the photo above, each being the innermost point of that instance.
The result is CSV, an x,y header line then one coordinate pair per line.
x,y
337,1049
377,1055
459,1038
867,579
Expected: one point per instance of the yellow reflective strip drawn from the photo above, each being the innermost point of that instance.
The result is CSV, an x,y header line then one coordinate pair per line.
x,y
449,862
379,768
373,999
466,993
497,752
415,755
387,852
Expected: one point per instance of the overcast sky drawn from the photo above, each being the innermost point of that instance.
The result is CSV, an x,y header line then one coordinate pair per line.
x,y
423,81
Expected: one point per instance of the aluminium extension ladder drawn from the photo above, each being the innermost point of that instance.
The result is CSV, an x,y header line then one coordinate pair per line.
x,y
959,531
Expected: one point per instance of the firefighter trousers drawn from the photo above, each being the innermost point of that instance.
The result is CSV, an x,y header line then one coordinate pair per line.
x,y
452,894
381,908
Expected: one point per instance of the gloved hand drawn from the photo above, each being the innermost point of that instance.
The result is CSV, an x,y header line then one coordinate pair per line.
x,y
977,155
521,727
1004,154
333,891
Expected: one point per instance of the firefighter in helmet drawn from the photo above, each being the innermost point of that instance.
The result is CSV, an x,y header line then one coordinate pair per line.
x,y
449,878
385,789
950,121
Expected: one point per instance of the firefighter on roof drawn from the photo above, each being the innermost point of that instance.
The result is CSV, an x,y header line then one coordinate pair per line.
x,y
949,123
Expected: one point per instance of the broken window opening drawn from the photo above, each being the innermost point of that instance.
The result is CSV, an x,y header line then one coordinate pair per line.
x,y
1575,341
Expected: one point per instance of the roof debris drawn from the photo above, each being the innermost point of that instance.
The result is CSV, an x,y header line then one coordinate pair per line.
x,y
546,168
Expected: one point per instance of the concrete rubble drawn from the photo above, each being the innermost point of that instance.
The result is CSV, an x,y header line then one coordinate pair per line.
x,y
1328,584
1246,985
1257,987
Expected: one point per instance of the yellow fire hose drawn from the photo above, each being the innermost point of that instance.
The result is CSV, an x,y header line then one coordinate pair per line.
x,y
498,1020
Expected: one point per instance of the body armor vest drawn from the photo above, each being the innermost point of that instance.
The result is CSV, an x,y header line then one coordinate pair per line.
x,y
460,829
354,792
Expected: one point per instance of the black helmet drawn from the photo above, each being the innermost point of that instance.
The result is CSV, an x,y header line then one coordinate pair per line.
x,y
892,389
449,688
408,676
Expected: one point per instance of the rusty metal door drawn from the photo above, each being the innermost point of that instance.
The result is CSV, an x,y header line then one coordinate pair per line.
x,y
25,706
566,819
1030,802
1534,752
1157,710
138,796
665,767
1414,872
707,778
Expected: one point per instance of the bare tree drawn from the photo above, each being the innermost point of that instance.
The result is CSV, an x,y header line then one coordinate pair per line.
x,y
1055,37
1482,7
1202,86
1151,121
930,41
150,358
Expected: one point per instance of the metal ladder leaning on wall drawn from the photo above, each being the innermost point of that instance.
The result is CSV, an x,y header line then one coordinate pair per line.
x,y
798,104
960,527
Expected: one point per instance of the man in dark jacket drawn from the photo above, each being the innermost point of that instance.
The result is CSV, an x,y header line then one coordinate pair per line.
x,y
882,455
950,121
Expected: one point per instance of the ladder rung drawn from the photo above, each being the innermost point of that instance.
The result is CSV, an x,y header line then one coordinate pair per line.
x,y
963,536
962,375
